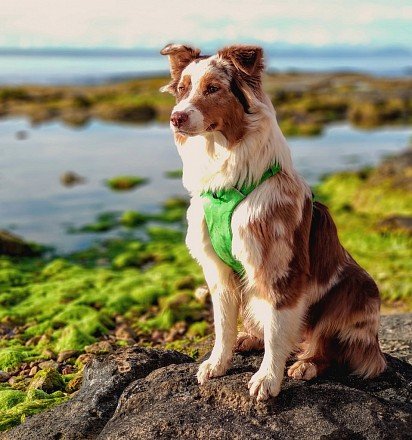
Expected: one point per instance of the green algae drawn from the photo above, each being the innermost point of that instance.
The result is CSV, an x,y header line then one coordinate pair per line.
x,y
125,183
174,174
12,356
16,405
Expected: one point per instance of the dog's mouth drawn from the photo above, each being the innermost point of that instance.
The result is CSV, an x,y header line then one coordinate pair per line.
x,y
210,127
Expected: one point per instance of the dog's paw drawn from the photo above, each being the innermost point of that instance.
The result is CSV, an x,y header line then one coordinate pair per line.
x,y
246,342
264,385
303,370
211,368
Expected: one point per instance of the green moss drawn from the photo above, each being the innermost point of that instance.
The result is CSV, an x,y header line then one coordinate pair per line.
x,y
11,357
16,405
124,183
73,337
133,218
174,174
10,398
104,222
198,329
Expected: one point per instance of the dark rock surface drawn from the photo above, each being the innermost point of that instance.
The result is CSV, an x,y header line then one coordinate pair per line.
x,y
12,244
158,400
84,416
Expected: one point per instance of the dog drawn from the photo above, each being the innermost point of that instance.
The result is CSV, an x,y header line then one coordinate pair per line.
x,y
283,269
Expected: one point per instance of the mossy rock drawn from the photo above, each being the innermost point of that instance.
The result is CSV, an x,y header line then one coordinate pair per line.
x,y
124,183
11,244
126,112
132,219
48,380
174,174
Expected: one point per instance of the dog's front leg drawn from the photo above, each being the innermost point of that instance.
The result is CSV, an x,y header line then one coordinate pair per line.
x,y
225,312
224,291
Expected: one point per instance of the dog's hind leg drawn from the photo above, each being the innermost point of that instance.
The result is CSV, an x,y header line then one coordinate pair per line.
x,y
313,360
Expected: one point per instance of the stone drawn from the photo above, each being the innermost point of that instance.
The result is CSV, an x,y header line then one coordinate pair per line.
x,y
33,370
101,347
85,414
51,364
70,178
12,244
138,393
67,354
48,380
4,377
124,332
68,369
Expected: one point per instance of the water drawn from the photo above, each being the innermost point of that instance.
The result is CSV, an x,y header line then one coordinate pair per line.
x,y
96,68
35,205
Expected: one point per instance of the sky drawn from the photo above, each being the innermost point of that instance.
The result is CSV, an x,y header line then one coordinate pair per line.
x,y
153,23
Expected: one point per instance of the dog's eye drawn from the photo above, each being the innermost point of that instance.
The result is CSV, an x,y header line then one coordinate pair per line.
x,y
181,88
211,89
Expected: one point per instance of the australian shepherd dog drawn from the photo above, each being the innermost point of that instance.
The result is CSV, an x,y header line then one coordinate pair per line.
x,y
299,290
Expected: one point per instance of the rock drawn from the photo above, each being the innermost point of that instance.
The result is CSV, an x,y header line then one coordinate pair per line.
x,y
84,358
74,384
33,370
48,380
124,332
4,377
101,347
11,244
396,336
47,353
48,365
21,135
84,416
67,354
70,178
397,222
68,369
398,169
156,399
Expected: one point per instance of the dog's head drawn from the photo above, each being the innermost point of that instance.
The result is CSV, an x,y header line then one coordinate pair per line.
x,y
213,93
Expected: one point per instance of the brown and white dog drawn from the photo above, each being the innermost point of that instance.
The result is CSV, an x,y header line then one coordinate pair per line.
x,y
300,287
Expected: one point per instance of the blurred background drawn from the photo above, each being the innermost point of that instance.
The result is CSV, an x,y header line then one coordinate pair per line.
x,y
92,210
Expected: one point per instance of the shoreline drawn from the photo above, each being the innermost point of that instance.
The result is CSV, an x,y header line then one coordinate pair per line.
x,y
305,102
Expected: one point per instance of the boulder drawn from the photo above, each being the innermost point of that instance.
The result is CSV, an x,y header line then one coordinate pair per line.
x,y
84,416
137,393
13,245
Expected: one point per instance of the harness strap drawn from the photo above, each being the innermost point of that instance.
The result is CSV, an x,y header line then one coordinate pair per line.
x,y
219,207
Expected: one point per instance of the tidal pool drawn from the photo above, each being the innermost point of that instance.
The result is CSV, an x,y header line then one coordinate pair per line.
x,y
35,205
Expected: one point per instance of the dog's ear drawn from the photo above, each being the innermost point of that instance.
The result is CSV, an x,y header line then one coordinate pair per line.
x,y
179,57
247,59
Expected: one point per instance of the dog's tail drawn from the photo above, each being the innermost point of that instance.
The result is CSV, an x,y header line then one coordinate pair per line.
x,y
364,358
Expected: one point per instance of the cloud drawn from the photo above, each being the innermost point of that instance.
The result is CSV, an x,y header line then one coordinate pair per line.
x,y
132,23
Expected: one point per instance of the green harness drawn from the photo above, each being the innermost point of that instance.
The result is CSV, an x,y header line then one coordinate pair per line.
x,y
219,207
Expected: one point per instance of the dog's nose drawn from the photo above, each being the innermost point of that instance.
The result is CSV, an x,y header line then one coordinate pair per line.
x,y
178,118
